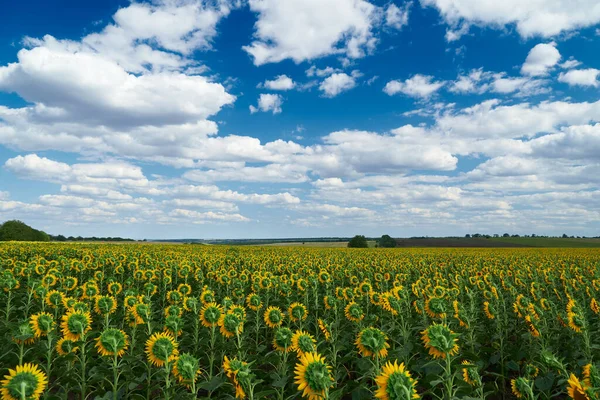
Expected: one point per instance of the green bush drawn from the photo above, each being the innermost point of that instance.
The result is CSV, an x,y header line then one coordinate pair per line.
x,y
19,231
358,241
387,241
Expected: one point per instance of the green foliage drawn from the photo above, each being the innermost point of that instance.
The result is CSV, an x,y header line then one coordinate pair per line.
x,y
19,231
358,241
387,241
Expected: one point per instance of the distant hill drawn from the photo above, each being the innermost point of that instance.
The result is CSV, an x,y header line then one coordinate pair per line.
x,y
19,231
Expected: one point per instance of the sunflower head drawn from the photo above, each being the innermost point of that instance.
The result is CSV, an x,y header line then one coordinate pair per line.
x,y
105,305
354,312
230,324
26,381
23,333
66,346
395,383
372,342
282,340
210,314
112,342
75,324
531,371
313,376
297,312
42,323
186,369
324,328
173,325
161,348
440,341
254,301
470,373
521,387
239,373
436,307
303,342
191,304
591,375
579,390
273,317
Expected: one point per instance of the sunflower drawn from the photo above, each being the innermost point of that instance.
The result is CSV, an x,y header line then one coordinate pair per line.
x,y
174,296
297,312
576,389
313,376
65,346
372,342
141,313
185,289
240,311
210,314
574,318
395,383
54,298
173,325
531,326
27,381
41,323
230,325
470,374
105,305
173,310
254,302
273,317
324,328
489,310
191,304
114,288
207,296
238,372
391,304
23,333
329,302
591,376
531,371
282,340
303,342
75,324
112,342
440,341
161,348
521,387
436,307
354,312
186,369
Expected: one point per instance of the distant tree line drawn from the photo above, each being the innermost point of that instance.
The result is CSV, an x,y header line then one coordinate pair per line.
x,y
19,231
533,235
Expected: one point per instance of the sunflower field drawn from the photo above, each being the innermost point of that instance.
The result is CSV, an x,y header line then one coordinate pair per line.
x,y
148,321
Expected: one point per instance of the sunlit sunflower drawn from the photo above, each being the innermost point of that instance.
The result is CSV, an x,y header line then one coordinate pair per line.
x,y
354,312
161,348
174,325
210,314
230,325
470,373
25,382
574,317
440,341
591,375
236,371
254,302
191,304
273,317
577,390
174,296
54,299
105,305
238,310
531,326
282,340
42,323
436,307
186,369
395,383
313,376
303,342
75,324
489,310
297,312
112,341
185,289
324,328
65,346
372,342
141,313
173,310
207,296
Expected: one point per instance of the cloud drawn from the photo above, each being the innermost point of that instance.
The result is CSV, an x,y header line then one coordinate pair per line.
x,y
314,71
397,17
541,59
327,27
268,102
336,84
420,86
282,82
532,18
580,77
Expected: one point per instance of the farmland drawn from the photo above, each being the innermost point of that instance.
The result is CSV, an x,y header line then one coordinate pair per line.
x,y
143,321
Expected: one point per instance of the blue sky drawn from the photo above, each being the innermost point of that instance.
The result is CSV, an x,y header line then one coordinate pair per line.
x,y
271,118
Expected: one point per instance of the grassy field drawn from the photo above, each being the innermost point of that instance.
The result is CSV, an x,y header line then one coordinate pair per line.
x,y
549,242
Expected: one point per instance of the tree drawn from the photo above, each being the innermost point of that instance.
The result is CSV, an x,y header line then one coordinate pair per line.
x,y
506,235
387,241
358,241
468,236
17,230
